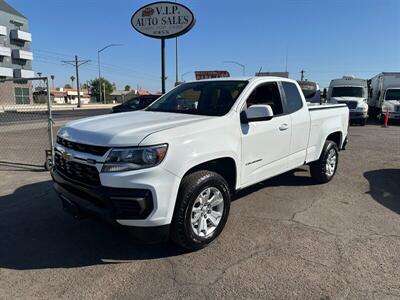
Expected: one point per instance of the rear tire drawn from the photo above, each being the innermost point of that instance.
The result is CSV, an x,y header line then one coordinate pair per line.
x,y
363,122
196,222
325,167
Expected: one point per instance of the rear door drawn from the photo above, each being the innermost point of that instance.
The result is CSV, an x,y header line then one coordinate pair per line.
x,y
300,120
265,144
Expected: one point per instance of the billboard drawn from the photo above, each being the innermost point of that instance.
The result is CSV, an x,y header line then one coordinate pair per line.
x,y
210,74
163,20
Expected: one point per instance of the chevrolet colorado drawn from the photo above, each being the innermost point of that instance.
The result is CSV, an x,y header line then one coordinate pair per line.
x,y
169,171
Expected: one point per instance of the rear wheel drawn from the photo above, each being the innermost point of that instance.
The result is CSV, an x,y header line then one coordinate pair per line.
x,y
363,122
201,210
325,167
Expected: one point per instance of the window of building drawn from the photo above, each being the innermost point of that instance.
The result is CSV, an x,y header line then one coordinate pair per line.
x,y
22,95
267,93
293,97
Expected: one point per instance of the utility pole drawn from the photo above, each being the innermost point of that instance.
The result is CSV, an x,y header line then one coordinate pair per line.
x,y
104,92
77,63
302,74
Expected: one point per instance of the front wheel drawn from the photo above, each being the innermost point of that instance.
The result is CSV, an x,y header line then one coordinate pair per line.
x,y
325,167
201,210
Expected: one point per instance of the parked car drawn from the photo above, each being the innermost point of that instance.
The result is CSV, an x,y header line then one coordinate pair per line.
x,y
384,92
169,171
136,103
354,93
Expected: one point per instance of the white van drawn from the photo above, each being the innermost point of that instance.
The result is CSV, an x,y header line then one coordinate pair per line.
x,y
354,93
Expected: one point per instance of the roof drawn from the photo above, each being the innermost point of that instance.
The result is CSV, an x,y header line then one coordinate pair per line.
x,y
250,79
4,6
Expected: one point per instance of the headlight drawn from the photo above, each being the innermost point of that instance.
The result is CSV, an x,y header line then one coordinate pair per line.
x,y
362,108
127,159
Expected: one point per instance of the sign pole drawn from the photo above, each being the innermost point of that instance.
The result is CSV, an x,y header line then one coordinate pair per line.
x,y
163,66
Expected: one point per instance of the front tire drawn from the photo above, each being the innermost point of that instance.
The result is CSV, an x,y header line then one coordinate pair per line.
x,y
201,210
325,167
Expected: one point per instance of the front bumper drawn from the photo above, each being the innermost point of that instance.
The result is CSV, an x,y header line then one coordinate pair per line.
x,y
142,198
355,115
392,115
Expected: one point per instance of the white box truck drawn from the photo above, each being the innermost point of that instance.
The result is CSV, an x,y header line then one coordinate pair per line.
x,y
384,95
354,93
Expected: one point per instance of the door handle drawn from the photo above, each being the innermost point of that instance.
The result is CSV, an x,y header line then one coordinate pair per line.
x,y
284,126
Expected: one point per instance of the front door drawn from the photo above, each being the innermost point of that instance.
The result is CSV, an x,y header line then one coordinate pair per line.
x,y
265,144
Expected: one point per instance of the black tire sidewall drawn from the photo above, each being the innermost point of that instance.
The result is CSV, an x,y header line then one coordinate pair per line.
x,y
212,180
329,145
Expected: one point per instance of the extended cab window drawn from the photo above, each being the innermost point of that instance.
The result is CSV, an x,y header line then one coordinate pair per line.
x,y
293,97
267,93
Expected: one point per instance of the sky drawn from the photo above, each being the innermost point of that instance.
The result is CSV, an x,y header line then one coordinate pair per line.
x,y
326,38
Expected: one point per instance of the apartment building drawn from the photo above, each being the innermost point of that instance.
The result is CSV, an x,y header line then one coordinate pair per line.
x,y
15,56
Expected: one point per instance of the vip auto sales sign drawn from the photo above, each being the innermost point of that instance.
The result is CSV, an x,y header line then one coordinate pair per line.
x,y
163,20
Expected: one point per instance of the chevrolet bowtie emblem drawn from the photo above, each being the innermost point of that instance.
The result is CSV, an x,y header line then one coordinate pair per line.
x,y
66,156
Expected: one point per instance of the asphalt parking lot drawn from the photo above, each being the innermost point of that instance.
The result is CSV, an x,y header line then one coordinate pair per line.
x,y
285,238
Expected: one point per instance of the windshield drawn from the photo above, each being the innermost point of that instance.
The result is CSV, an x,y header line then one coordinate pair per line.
x,y
393,94
347,91
209,98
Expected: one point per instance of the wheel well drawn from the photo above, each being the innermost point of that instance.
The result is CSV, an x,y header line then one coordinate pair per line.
x,y
225,167
335,137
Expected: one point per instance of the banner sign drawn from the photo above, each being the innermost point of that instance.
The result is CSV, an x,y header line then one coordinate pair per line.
x,y
277,74
163,20
210,74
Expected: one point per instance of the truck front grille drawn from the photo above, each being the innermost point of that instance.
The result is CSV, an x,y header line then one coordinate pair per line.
x,y
350,104
77,172
95,150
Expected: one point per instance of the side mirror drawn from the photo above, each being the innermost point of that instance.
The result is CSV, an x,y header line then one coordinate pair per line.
x,y
256,113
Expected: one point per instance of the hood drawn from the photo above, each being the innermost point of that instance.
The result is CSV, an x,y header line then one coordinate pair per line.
x,y
123,129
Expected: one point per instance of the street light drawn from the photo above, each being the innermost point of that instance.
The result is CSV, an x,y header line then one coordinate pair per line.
x,y
98,61
237,63
185,74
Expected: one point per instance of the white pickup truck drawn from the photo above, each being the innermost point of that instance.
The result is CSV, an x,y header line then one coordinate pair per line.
x,y
169,171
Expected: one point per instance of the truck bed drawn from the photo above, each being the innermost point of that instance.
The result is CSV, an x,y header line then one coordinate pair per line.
x,y
325,118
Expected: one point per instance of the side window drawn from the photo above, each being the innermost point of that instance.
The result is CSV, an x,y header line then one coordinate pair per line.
x,y
22,95
293,98
267,93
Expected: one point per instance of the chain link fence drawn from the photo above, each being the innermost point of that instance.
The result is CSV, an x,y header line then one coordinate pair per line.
x,y
25,122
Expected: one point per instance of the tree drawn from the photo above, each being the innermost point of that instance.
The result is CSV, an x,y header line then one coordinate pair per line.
x,y
52,80
72,80
127,88
95,87
67,86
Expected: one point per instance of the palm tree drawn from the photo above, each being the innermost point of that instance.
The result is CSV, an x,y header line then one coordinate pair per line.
x,y
52,80
72,80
